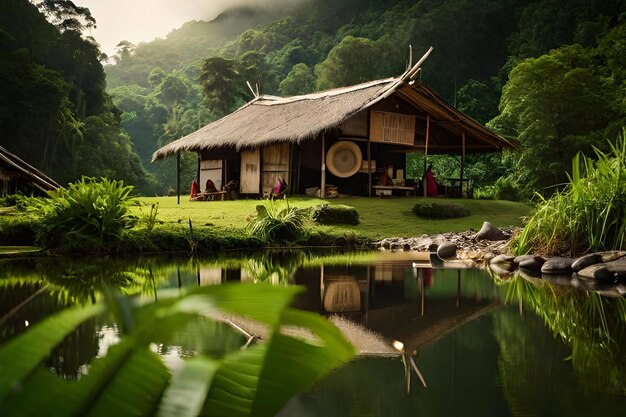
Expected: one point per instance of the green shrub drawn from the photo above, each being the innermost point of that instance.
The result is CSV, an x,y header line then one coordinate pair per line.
x,y
488,192
277,222
589,215
89,214
335,214
440,210
506,188
17,230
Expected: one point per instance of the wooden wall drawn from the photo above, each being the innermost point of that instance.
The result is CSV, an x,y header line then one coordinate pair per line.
x,y
250,171
276,162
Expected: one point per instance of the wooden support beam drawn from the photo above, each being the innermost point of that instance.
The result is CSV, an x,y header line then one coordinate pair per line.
x,y
369,157
323,186
426,154
462,162
178,176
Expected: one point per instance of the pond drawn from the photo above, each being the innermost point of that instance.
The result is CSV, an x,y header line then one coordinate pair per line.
x,y
484,345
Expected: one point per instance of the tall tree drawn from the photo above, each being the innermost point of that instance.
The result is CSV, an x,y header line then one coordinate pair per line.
x,y
221,84
352,61
557,104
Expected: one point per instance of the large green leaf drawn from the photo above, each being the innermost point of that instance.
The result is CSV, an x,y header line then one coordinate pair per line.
x,y
23,354
263,303
131,380
259,381
136,388
187,393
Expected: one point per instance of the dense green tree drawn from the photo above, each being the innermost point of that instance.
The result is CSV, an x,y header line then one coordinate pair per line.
x,y
300,80
54,111
557,105
66,15
352,61
221,84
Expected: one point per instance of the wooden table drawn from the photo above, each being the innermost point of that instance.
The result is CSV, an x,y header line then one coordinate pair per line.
x,y
382,190
211,196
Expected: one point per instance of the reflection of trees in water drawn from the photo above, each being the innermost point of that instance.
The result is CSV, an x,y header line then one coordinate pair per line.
x,y
275,267
592,326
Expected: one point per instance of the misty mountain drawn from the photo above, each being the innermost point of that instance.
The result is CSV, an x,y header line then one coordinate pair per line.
x,y
188,44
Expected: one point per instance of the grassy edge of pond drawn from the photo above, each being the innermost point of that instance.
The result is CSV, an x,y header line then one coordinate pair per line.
x,y
379,217
220,225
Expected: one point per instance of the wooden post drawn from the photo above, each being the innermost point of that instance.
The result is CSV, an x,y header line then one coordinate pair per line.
x,y
178,176
198,170
424,185
369,154
224,175
261,172
462,163
369,167
298,167
323,187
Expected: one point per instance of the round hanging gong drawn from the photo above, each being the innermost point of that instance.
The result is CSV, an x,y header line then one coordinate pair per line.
x,y
344,159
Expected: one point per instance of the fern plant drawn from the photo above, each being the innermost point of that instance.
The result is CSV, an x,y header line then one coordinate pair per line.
x,y
88,213
278,222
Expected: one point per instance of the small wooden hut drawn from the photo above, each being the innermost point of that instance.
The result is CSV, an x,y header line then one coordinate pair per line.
x,y
344,137
17,175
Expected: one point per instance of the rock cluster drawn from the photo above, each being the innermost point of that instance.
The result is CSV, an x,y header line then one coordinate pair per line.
x,y
490,248
484,245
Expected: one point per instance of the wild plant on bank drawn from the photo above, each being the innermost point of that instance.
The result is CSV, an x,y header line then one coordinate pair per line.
x,y
278,222
588,215
88,214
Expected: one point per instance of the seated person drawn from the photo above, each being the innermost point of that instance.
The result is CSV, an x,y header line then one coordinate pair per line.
x,y
195,191
384,178
431,184
210,187
231,189
280,189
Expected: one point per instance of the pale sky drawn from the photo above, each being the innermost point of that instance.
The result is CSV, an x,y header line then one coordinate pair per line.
x,y
143,20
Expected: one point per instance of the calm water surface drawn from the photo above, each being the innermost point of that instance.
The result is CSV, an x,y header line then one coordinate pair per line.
x,y
486,346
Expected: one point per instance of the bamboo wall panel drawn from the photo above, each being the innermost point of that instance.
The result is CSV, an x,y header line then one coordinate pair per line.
x,y
275,163
388,127
250,171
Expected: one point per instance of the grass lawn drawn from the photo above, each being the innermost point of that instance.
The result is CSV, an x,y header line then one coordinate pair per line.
x,y
379,217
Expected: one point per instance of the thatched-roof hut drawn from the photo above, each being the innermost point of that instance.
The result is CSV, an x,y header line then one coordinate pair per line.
x,y
16,175
341,130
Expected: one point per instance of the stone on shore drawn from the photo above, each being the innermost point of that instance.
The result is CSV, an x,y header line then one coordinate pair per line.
x,y
534,263
585,261
521,258
446,250
598,272
557,266
489,232
613,255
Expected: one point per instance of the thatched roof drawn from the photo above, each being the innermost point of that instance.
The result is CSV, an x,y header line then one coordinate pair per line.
x,y
11,166
268,119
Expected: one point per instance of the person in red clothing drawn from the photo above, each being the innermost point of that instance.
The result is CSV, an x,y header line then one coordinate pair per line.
x,y
195,190
431,184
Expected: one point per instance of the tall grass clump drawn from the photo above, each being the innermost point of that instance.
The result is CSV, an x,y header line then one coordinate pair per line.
x,y
89,214
278,222
588,215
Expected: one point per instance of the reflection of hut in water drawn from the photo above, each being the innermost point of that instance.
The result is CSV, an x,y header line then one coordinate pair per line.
x,y
391,299
341,294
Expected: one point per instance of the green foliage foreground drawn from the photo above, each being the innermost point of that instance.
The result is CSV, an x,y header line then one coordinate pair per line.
x,y
133,380
88,212
589,215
